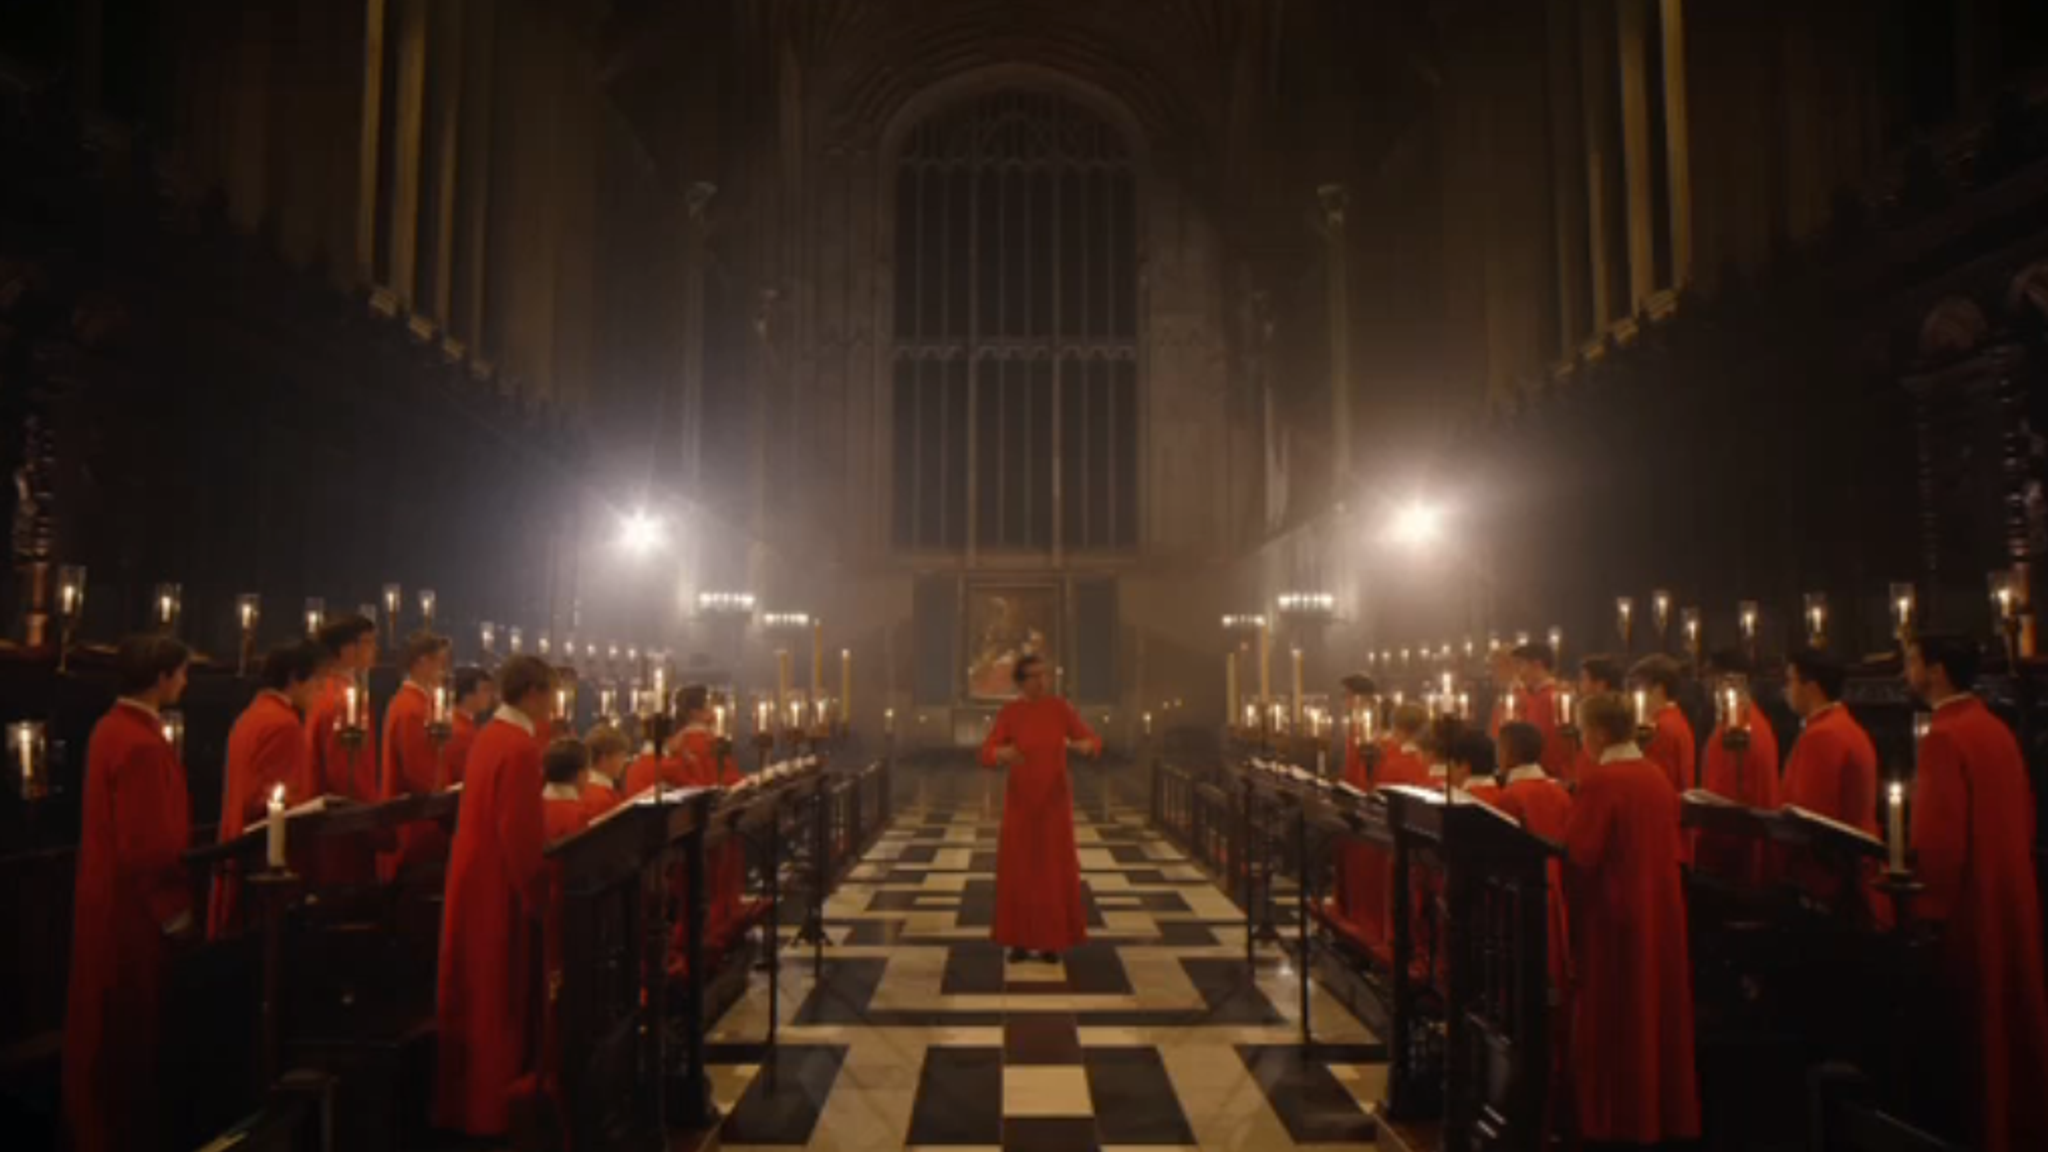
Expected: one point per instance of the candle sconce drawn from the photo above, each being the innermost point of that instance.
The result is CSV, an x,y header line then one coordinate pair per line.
x,y
1641,699
1625,621
2008,606
173,722
544,646
1689,624
28,753
487,637
316,616
1556,639
441,728
394,599
1660,615
248,613
427,605
1567,719
353,725
169,604
1904,605
515,639
70,607
1746,620
1816,616
1731,704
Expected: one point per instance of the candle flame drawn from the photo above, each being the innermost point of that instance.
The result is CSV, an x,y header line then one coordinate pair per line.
x,y
277,796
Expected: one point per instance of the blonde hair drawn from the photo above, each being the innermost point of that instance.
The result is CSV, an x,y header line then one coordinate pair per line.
x,y
1609,715
605,741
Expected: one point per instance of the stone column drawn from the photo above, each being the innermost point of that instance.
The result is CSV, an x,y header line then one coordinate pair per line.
x,y
371,149
1597,101
696,231
1677,142
1568,176
479,47
448,116
1635,136
1334,201
406,167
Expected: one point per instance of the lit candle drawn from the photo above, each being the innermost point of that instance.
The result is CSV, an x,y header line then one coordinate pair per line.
x,y
782,675
1642,708
1691,617
1230,684
1296,686
426,607
174,731
1322,761
440,704
488,634
1895,826
562,703
246,609
71,590
1509,712
1565,715
760,716
516,638
29,741
1464,706
392,598
351,707
660,677
274,835
1365,717
607,702
1732,717
1745,614
818,708
888,721
1148,723
1660,610
1624,616
1556,642
817,658
718,719
846,681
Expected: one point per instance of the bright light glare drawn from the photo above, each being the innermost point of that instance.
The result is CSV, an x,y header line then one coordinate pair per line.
x,y
1416,524
642,533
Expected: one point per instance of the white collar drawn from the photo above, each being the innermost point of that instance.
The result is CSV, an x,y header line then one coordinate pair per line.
x,y
138,705
1626,750
1944,702
514,717
560,792
1527,772
596,779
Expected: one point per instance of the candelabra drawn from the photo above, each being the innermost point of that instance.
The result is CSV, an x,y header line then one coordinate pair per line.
x,y
70,606
248,610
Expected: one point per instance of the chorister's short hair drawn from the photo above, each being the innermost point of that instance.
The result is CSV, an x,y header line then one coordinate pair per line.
x,y
422,645
1608,714
1021,670
605,740
564,761
692,699
1816,667
1410,718
293,663
1522,742
1536,653
469,678
1959,656
1470,747
344,630
141,661
521,676
1660,671
1729,662
1602,670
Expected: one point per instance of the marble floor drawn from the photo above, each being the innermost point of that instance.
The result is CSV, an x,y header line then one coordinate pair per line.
x,y
1154,1034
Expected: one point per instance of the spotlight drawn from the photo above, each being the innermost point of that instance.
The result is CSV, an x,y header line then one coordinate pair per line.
x,y
1416,524
642,533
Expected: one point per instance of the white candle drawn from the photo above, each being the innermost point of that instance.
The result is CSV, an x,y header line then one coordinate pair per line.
x,y
1735,718
888,721
351,704
1508,713
1642,708
274,837
440,704
1896,826
760,716
718,719
1565,715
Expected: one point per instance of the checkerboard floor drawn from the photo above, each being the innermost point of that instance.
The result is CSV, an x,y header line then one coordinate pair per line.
x,y
1154,1034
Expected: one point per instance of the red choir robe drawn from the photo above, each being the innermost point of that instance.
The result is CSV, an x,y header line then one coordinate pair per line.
x,y
649,769
412,766
1749,778
1673,748
1539,707
725,877
1833,771
461,737
1364,870
1631,1030
339,770
130,896
1973,837
563,814
1038,870
266,748
600,794
1544,807
496,893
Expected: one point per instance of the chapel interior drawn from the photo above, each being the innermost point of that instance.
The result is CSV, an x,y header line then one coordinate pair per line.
x,y
840,355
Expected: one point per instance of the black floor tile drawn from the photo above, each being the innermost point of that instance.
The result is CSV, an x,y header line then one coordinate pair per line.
x,y
959,1097
1049,1134
875,933
782,1104
1041,1038
1308,1099
1095,969
1186,934
1134,1099
843,995
978,904
973,968
1227,991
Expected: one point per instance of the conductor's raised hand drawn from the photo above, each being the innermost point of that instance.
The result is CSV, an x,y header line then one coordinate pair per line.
x,y
1007,755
